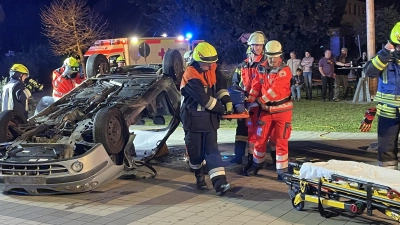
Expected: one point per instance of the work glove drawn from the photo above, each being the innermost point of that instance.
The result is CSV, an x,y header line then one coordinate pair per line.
x,y
229,108
366,123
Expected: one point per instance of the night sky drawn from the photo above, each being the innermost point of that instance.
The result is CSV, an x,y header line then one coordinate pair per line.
x,y
22,26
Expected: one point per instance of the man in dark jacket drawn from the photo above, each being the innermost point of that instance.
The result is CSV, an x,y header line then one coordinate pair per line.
x,y
15,96
205,100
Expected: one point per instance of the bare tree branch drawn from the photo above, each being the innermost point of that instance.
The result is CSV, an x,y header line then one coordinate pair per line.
x,y
71,26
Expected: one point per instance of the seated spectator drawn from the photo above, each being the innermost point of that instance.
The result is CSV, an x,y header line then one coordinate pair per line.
x,y
297,83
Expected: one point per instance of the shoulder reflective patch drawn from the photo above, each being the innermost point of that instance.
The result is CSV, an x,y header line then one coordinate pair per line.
x,y
282,73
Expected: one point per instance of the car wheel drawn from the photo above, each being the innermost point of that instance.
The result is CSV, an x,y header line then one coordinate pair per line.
x,y
110,129
10,118
97,63
173,65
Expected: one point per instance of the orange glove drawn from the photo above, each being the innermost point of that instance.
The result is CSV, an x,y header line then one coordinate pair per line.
x,y
369,116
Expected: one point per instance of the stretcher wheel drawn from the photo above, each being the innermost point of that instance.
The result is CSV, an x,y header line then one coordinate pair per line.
x,y
299,206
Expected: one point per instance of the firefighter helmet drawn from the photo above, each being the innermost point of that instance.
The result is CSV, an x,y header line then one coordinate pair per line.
x,y
187,56
256,38
17,70
71,61
120,59
273,48
395,34
205,52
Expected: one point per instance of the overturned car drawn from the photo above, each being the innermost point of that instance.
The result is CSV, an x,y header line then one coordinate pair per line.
x,y
93,134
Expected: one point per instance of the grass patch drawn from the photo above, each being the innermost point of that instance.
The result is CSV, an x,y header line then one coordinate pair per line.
x,y
324,116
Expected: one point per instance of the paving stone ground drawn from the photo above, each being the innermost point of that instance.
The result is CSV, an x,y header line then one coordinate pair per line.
x,y
171,197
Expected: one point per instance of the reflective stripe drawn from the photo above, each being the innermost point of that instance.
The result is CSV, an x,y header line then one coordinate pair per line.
x,y
197,166
387,98
378,63
258,154
384,77
282,165
211,103
221,93
219,171
281,108
241,138
272,93
8,101
28,95
384,113
265,99
281,157
259,160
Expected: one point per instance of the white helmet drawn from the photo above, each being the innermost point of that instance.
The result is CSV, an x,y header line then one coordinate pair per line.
x,y
256,38
187,56
273,48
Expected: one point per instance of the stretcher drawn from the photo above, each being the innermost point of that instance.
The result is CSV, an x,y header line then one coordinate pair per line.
x,y
243,115
348,185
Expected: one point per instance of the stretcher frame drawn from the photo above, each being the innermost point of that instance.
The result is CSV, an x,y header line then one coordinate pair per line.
x,y
243,115
340,192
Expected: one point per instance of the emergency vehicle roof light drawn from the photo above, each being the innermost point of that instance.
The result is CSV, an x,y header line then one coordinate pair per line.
x,y
135,39
189,35
180,38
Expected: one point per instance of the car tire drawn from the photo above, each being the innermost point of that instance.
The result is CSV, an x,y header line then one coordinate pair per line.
x,y
110,129
173,65
97,63
7,118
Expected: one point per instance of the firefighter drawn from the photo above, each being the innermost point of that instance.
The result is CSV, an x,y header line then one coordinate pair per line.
x,y
120,63
271,90
245,132
203,104
15,96
386,67
67,77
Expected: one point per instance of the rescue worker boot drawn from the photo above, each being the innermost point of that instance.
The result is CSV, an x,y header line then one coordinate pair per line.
x,y
221,185
253,170
248,166
280,173
200,179
240,149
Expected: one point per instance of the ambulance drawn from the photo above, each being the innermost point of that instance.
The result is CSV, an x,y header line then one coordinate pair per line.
x,y
140,51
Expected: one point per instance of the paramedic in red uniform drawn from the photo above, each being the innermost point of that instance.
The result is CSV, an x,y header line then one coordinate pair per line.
x,y
271,90
205,100
244,74
67,77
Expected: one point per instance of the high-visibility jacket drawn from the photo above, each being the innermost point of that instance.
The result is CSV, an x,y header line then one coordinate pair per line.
x,y
387,70
202,99
62,85
246,71
271,88
15,97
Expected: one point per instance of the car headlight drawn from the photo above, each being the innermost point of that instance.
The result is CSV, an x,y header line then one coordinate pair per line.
x,y
77,166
